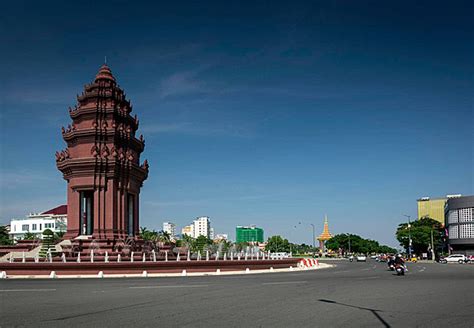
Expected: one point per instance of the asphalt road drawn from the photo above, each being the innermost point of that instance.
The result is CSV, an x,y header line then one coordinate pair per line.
x,y
347,295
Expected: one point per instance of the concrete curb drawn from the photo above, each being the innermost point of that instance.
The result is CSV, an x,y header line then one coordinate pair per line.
x,y
101,275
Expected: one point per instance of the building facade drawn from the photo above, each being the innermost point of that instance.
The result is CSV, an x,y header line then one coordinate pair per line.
x,y
433,207
54,219
202,227
188,230
460,224
169,228
249,234
101,163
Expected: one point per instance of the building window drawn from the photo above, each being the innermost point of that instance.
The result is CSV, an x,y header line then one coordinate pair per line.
x,y
86,212
33,227
41,226
466,231
453,216
25,227
465,215
453,232
131,214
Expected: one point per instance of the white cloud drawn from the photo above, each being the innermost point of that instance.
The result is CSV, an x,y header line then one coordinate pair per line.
x,y
184,83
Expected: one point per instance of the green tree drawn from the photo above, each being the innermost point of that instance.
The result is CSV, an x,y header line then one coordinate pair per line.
x,y
148,235
4,237
420,231
242,246
29,236
277,244
200,242
164,237
357,244
48,243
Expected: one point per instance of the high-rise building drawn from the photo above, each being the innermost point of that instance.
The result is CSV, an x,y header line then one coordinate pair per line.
x,y
169,228
433,207
248,234
460,224
202,227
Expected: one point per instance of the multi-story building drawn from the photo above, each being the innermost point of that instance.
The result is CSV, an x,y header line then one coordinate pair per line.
x,y
188,230
54,219
169,228
202,227
433,207
460,224
248,234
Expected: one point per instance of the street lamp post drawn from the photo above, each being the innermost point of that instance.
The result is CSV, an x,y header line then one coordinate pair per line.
x,y
314,240
349,243
409,235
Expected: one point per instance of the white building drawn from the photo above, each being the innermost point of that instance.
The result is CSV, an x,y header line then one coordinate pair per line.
x,y
169,228
54,219
202,227
188,230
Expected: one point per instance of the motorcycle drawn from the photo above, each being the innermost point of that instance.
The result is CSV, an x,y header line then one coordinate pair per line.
x,y
391,265
400,268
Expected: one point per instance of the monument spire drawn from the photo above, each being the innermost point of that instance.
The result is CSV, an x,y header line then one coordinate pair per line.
x,y
101,163
325,235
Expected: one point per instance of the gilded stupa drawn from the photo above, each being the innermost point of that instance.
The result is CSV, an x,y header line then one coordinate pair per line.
x,y
326,235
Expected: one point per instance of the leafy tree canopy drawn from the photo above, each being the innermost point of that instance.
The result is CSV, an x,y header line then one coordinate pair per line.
x,y
420,231
276,244
357,244
4,237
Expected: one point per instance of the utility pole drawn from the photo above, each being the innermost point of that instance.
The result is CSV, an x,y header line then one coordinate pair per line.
x,y
432,246
409,235
349,243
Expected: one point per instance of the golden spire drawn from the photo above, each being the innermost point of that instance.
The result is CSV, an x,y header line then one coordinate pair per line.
x,y
326,235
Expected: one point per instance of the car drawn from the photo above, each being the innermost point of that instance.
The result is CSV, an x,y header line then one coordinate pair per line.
x,y
361,258
454,258
373,257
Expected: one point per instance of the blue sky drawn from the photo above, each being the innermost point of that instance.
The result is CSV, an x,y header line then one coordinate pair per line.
x,y
268,114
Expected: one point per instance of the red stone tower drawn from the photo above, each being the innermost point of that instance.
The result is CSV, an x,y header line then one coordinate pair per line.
x,y
101,163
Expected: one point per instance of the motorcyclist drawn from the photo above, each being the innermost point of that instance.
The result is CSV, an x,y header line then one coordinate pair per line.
x,y
399,260
391,262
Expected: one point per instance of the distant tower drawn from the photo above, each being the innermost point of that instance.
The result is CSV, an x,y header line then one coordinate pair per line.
x,y
325,235
101,163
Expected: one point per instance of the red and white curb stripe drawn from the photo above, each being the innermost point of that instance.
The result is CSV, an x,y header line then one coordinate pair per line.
x,y
308,263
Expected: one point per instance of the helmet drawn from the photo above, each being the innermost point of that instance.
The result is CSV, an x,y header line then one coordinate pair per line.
x,y
399,255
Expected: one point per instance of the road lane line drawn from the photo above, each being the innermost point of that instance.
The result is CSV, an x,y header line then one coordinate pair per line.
x,y
171,286
284,282
364,278
26,290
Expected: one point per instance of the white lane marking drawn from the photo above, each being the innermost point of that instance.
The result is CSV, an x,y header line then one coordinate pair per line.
x,y
364,278
171,286
422,269
284,282
26,290
342,271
